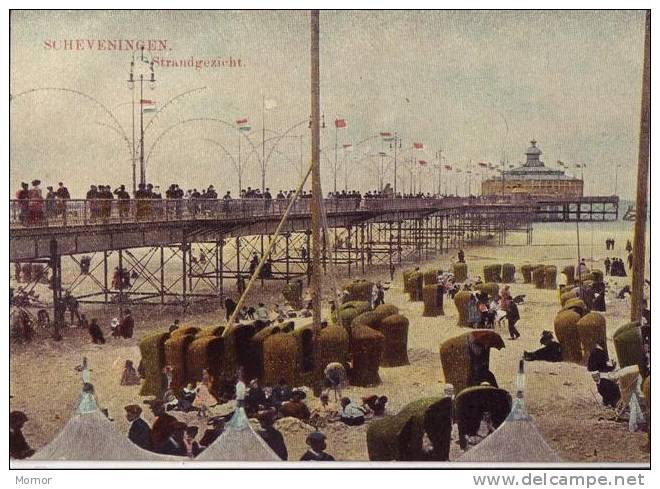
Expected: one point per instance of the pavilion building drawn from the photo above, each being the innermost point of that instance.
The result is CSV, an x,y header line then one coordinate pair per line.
x,y
534,178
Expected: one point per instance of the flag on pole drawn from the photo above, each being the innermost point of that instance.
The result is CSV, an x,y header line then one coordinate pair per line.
x,y
387,136
270,104
339,123
448,167
347,147
382,153
418,145
150,103
483,164
243,125
423,162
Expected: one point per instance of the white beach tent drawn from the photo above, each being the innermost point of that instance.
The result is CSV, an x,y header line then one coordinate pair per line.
x,y
238,443
90,436
517,439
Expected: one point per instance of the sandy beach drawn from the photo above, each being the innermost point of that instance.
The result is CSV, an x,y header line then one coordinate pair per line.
x,y
561,397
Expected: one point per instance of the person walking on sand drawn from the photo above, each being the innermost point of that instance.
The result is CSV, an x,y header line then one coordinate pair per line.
x,y
512,317
630,261
607,264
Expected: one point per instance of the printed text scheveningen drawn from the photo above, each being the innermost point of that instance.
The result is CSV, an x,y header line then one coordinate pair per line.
x,y
106,44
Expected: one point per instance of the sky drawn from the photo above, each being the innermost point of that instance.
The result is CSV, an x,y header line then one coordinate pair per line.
x,y
478,85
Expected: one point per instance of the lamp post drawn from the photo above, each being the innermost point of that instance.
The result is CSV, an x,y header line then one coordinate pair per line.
x,y
148,65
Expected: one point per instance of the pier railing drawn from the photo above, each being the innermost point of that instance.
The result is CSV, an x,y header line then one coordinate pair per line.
x,y
35,213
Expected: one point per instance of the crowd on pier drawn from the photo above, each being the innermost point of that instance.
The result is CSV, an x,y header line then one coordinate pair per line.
x,y
35,207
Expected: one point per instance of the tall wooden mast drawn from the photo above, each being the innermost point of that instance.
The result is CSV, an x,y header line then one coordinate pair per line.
x,y
639,246
315,285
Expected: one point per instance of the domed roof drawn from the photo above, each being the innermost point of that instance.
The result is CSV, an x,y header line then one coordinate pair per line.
x,y
533,150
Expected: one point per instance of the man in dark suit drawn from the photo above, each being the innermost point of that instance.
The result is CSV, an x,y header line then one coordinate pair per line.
x,y
162,428
139,432
316,450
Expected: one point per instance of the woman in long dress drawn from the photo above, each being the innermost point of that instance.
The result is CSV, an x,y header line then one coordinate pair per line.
x,y
203,397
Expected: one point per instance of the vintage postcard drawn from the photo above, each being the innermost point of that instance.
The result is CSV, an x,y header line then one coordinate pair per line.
x,y
306,238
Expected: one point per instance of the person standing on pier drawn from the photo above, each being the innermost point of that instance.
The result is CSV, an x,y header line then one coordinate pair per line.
x,y
123,203
36,203
51,209
23,200
62,196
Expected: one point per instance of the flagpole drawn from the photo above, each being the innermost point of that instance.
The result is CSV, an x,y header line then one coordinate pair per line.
x,y
336,138
470,179
133,128
315,282
639,239
395,163
345,174
440,172
142,176
302,150
240,183
263,144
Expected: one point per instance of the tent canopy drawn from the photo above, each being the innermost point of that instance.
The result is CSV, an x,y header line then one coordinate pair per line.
x,y
238,443
91,436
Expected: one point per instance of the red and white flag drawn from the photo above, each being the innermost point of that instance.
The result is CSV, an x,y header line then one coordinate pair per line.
x,y
147,101
448,167
483,165
423,162
387,136
347,147
339,123
241,122
418,145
